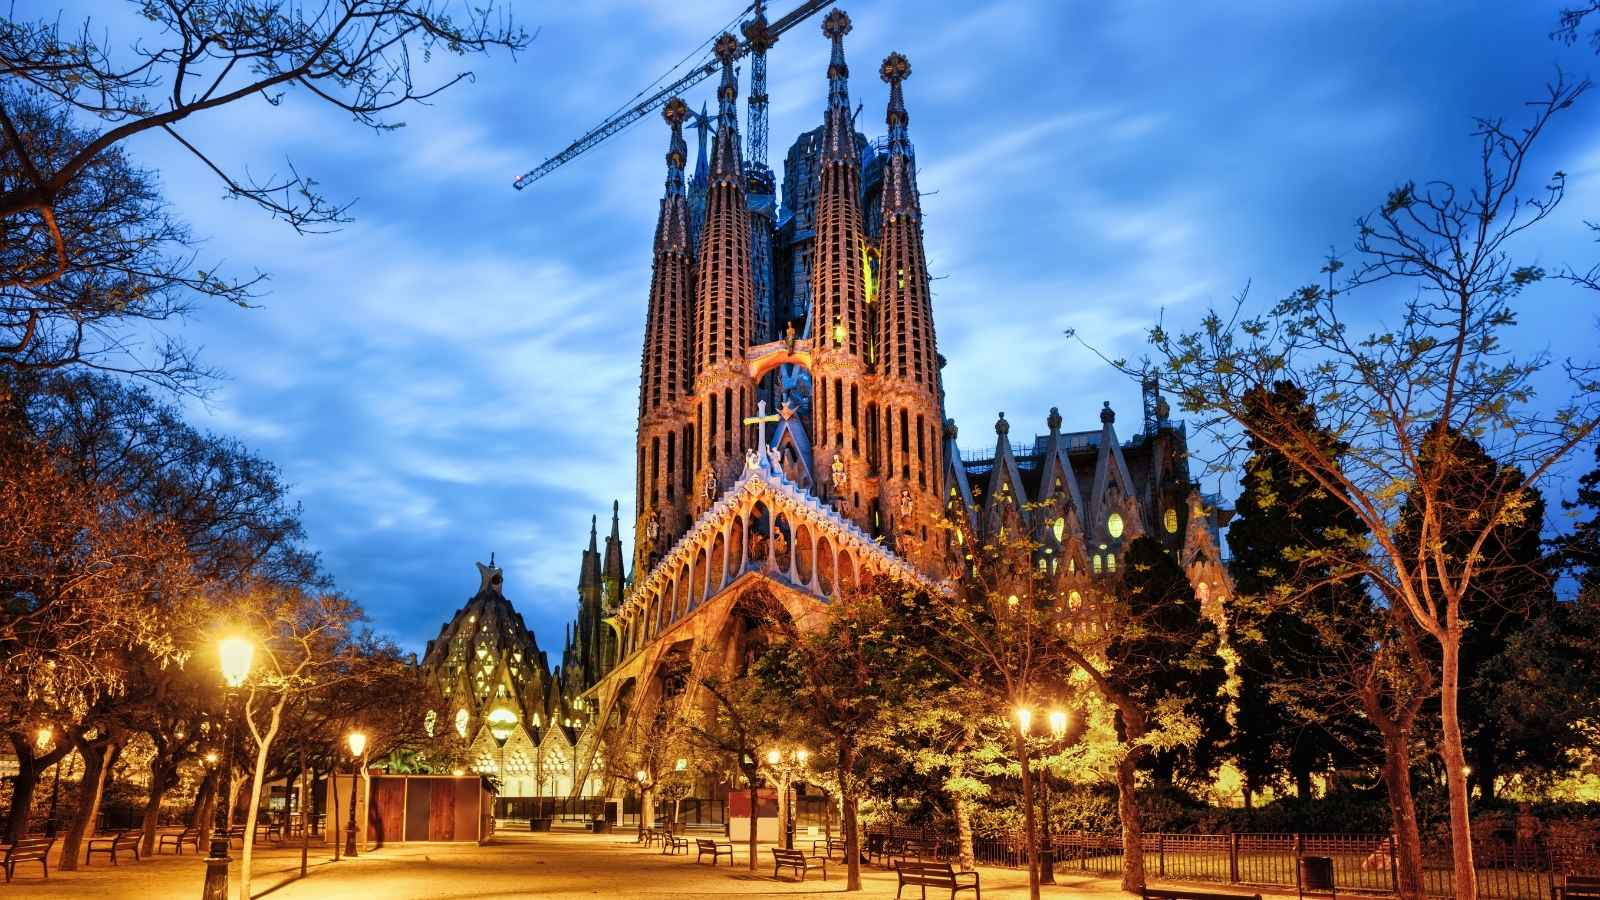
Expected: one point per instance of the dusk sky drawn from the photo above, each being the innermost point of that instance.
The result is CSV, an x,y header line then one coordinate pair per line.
x,y
455,372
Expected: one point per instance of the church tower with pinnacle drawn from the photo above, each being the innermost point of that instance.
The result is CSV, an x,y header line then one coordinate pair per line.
x,y
665,475
724,303
906,422
842,414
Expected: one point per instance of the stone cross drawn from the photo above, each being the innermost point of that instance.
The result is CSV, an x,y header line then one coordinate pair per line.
x,y
760,420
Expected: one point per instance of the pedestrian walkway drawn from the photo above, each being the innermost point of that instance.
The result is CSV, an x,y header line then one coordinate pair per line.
x,y
513,865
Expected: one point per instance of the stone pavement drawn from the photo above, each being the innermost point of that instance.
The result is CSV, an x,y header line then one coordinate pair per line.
x,y
552,865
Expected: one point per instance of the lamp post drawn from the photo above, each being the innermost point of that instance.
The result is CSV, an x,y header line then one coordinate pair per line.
x,y
785,767
1047,862
234,654
358,744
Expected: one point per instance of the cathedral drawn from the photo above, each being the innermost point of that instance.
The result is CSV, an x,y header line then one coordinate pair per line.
x,y
792,441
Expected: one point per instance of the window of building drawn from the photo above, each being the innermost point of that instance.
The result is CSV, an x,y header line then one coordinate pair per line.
x,y
1114,525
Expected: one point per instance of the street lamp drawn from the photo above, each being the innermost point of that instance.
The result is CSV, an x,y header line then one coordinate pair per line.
x,y
785,769
358,745
233,655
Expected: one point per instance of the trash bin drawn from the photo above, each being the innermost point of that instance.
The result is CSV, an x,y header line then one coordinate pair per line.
x,y
1315,874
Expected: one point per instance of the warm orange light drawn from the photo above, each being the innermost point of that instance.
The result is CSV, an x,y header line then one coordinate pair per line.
x,y
802,755
235,654
44,737
773,757
1024,719
642,775
1058,723
357,742
211,757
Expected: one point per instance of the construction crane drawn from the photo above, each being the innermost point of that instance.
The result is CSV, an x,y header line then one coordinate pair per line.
x,y
759,38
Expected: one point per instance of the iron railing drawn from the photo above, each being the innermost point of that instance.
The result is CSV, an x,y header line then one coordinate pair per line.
x,y
1363,863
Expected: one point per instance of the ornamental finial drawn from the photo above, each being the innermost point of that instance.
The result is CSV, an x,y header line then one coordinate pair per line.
x,y
726,48
836,24
895,69
676,112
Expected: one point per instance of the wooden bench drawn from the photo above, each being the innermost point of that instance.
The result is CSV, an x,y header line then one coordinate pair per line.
x,y
1151,893
717,849
176,840
935,875
671,844
799,862
111,846
1577,887
830,846
28,849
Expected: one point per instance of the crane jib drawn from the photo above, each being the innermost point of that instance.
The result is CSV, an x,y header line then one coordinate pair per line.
x,y
627,117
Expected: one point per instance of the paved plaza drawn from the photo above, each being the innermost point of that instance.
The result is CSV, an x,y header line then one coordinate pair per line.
x,y
512,865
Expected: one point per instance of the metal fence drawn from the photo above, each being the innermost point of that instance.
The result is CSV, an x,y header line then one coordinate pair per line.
x,y
1362,863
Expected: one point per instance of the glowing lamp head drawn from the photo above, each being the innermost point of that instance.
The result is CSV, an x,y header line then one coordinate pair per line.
x,y
680,765
211,757
1024,719
44,737
357,741
235,654
773,757
802,755
1058,723
642,775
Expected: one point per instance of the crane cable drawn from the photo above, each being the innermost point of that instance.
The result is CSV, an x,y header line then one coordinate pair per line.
x,y
633,101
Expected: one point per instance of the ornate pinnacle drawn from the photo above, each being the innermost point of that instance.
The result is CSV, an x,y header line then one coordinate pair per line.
x,y
676,112
726,48
836,24
895,69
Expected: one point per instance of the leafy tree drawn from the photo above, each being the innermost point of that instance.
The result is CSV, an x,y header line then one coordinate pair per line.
x,y
832,678
1288,538
1578,553
1443,364
731,730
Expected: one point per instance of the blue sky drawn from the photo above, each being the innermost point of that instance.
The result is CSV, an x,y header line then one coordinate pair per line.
x,y
455,372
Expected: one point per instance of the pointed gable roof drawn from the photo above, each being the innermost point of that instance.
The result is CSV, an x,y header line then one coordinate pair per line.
x,y
1109,468
1054,465
1005,479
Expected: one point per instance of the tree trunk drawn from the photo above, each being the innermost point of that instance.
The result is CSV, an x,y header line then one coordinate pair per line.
x,y
305,814
1403,812
23,785
1302,782
1027,818
336,821
161,774
1455,770
97,761
964,851
263,746
852,840
204,808
1132,827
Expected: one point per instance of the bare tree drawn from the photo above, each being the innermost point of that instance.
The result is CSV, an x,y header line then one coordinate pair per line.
x,y
1442,366
86,244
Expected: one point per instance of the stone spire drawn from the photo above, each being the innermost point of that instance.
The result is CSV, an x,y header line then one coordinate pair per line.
x,y
666,372
612,574
841,334
697,185
589,573
724,300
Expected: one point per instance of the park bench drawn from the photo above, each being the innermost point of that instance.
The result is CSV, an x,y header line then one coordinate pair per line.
x,y
671,844
935,875
28,849
830,846
176,840
236,833
649,836
1151,893
1577,887
111,846
717,849
799,862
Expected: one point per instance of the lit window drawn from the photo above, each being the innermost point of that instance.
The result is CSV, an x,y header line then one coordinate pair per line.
x,y
1072,566
428,722
1059,527
1169,520
1114,525
1098,564
1074,600
461,721
1111,562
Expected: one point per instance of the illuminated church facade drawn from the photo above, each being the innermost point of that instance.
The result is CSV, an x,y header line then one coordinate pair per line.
x,y
792,440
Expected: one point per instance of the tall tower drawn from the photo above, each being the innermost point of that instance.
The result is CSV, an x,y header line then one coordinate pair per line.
x,y
666,372
841,332
723,302
760,185
907,358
